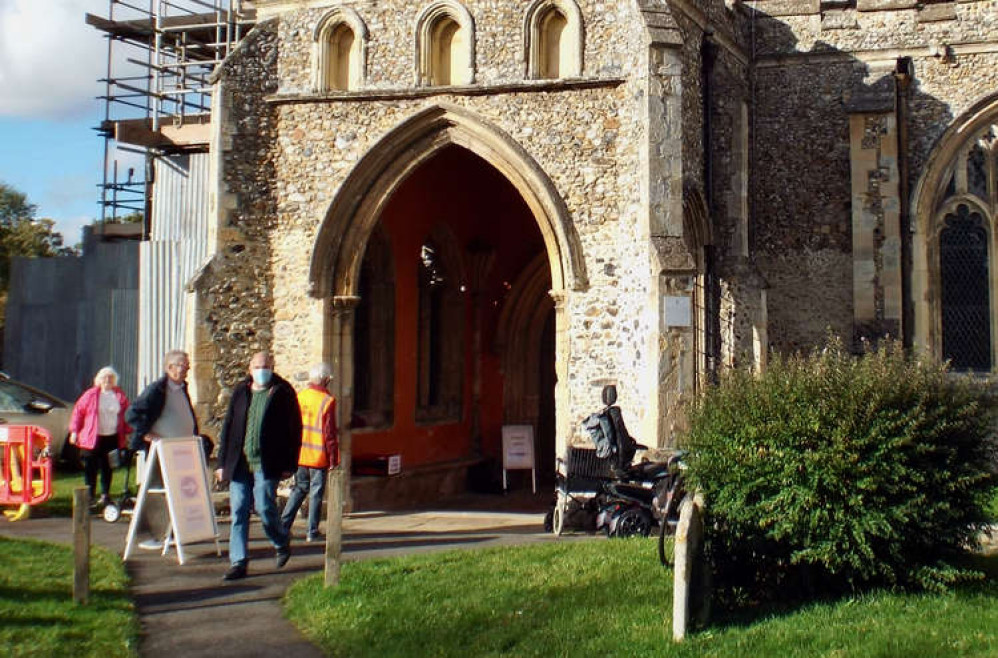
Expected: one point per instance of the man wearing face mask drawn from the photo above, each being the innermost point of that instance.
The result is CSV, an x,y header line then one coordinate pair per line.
x,y
258,447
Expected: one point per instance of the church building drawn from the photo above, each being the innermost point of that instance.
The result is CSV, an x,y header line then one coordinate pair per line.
x,y
482,211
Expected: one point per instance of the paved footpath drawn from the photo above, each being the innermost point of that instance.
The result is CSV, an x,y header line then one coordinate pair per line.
x,y
189,611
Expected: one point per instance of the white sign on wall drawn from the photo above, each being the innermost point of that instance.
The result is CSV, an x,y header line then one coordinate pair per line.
x,y
677,312
518,452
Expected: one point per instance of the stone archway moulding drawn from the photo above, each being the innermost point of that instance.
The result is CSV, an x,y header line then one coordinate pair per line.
x,y
357,207
697,228
924,203
518,342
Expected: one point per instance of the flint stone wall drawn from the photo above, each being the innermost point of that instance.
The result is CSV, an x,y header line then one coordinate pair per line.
x,y
814,69
234,314
618,146
611,33
284,176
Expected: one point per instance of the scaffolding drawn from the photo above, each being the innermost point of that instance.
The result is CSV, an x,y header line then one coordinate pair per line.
x,y
157,99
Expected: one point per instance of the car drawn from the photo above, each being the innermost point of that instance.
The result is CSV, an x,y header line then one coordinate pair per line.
x,y
21,404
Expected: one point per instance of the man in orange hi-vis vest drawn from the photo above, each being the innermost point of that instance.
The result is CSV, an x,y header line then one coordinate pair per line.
x,y
320,450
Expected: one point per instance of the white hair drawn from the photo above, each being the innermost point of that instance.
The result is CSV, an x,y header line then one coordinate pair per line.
x,y
106,370
172,357
319,373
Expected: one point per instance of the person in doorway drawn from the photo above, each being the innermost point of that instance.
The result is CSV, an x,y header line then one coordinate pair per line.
x,y
258,447
162,411
320,450
98,428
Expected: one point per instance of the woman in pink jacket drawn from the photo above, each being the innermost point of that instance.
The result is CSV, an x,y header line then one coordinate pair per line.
x,y
98,428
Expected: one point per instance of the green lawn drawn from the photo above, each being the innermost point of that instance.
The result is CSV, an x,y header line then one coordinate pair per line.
x,y
37,613
609,598
61,503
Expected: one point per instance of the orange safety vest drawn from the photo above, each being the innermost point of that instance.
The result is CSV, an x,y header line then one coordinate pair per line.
x,y
314,406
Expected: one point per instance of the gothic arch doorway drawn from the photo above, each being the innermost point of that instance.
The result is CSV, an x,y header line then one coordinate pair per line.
x,y
461,212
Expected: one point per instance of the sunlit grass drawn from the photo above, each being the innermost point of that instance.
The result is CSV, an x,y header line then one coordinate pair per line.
x,y
609,598
63,484
38,616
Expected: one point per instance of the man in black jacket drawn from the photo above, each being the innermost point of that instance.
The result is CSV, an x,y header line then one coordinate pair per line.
x,y
162,411
258,447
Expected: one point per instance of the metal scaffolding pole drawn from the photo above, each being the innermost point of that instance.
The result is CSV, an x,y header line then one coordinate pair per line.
x,y
160,56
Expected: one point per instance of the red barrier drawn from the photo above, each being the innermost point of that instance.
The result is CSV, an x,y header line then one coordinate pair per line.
x,y
25,465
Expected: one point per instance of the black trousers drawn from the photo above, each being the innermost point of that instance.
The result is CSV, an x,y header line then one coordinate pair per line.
x,y
97,459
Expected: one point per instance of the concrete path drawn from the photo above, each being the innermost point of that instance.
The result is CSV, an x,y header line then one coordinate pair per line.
x,y
189,611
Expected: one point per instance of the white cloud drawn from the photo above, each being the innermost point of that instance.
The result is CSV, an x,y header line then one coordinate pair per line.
x,y
50,59
71,229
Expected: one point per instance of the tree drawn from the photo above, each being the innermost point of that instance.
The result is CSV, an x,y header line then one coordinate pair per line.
x,y
135,217
14,205
23,235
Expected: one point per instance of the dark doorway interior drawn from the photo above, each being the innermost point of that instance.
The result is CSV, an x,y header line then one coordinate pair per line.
x,y
440,273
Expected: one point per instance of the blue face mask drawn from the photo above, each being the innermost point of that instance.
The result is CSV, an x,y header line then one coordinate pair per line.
x,y
261,376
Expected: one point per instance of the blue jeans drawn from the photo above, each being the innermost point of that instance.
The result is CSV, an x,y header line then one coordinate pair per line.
x,y
264,492
310,481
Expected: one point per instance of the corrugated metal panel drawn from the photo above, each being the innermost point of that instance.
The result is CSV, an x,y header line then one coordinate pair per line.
x,y
180,199
124,345
41,342
68,316
177,247
161,305
48,360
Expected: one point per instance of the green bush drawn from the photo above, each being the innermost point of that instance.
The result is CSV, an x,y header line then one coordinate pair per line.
x,y
833,473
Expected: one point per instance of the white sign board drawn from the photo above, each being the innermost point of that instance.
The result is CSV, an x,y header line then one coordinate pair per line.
x,y
187,491
677,312
518,451
185,484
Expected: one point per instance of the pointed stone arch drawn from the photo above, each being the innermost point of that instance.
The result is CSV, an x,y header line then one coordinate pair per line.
x,y
521,344
356,208
698,233
697,227
929,205
517,341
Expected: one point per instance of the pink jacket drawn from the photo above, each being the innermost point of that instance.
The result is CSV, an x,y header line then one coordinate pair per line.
x,y
84,418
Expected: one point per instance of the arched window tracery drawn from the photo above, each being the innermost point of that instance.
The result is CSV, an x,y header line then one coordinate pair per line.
x,y
440,332
964,273
374,336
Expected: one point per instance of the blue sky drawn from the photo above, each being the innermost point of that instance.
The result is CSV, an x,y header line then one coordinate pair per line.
x,y
50,61
57,164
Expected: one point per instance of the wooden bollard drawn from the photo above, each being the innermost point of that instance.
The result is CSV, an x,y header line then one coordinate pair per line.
x,y
334,525
689,539
81,545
